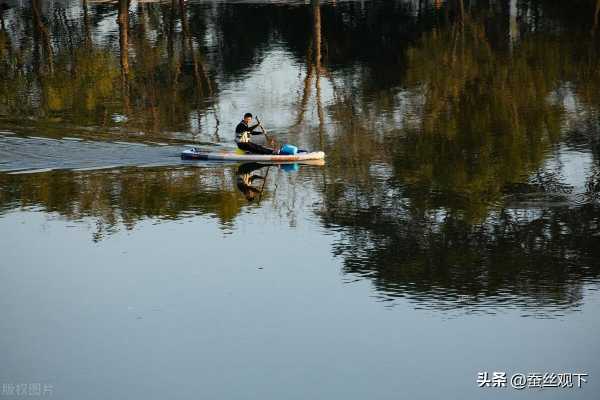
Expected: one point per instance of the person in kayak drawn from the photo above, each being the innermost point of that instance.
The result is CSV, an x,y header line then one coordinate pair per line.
x,y
244,131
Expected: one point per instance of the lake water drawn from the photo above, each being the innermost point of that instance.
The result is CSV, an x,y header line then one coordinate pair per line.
x,y
453,230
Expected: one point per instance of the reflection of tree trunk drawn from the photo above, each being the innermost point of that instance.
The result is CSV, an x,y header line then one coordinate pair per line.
x,y
87,35
217,125
175,66
35,57
317,44
7,39
515,112
513,29
123,21
70,31
171,32
199,71
307,86
41,32
146,86
595,26
2,26
320,110
317,33
313,68
142,8
200,74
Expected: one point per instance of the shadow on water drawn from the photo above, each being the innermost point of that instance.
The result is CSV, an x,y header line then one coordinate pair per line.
x,y
463,161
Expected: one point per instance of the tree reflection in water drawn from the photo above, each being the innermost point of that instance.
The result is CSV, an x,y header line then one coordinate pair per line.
x,y
446,127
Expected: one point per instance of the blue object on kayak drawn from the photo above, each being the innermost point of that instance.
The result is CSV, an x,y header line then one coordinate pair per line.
x,y
290,167
288,150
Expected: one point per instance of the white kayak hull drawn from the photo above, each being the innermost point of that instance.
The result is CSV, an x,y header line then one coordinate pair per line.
x,y
194,154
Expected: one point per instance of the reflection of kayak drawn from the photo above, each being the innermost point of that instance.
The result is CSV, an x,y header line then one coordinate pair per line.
x,y
196,154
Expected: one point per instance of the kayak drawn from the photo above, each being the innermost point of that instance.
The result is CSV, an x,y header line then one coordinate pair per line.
x,y
239,155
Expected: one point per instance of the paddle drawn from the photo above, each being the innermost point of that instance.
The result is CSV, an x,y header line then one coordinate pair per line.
x,y
263,185
264,131
270,139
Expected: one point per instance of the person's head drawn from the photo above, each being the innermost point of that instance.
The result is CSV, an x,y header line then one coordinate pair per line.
x,y
247,118
248,191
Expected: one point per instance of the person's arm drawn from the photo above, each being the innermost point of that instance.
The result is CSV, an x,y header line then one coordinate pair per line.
x,y
255,177
252,129
241,128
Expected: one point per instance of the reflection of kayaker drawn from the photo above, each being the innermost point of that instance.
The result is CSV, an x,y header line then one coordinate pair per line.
x,y
246,179
243,134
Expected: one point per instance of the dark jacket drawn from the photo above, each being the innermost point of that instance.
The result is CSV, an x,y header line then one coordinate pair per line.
x,y
242,127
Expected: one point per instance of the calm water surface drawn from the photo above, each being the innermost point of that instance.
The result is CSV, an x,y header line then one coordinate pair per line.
x,y
455,227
